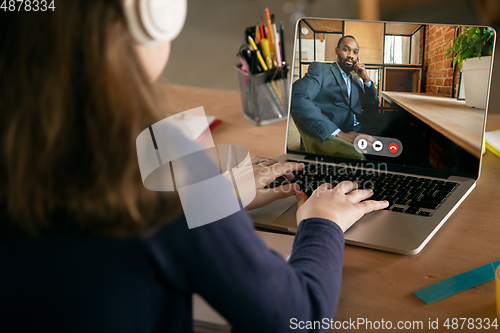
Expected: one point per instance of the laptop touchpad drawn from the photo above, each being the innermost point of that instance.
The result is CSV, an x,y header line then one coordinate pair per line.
x,y
288,219
269,213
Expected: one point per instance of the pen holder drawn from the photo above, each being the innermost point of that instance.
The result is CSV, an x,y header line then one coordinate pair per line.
x,y
264,100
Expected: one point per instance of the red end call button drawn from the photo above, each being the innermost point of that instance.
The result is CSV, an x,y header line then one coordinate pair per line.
x,y
393,147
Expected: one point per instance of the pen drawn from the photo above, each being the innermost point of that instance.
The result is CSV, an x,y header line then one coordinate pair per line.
x,y
262,28
244,64
282,40
270,35
259,56
266,52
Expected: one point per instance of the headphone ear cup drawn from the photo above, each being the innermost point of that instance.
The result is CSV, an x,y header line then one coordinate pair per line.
x,y
155,21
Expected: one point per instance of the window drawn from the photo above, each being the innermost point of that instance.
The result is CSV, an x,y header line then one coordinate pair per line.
x,y
397,50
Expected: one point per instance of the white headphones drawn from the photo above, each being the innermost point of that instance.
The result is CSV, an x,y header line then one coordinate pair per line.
x,y
155,21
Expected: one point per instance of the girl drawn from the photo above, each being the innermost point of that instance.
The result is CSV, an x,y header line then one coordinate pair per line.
x,y
84,247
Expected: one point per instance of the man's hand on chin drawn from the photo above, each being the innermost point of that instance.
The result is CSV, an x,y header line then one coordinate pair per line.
x,y
360,69
350,136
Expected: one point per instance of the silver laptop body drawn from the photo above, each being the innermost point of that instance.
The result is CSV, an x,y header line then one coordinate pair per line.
x,y
386,230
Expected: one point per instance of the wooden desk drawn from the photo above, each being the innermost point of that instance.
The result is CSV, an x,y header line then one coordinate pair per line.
x,y
450,117
378,285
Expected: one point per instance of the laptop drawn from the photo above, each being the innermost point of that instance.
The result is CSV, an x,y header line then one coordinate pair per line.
x,y
382,107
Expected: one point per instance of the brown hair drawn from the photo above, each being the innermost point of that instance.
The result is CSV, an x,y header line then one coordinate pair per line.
x,y
73,98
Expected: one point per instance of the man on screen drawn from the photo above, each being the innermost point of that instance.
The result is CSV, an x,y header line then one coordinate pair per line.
x,y
327,102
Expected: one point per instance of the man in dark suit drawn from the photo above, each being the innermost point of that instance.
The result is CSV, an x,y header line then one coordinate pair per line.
x,y
328,100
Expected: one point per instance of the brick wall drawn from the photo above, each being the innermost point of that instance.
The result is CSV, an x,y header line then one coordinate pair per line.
x,y
438,70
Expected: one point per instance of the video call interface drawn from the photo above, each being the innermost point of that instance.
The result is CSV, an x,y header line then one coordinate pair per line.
x,y
384,92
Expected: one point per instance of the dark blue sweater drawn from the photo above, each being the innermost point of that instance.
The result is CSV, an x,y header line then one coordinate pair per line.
x,y
57,284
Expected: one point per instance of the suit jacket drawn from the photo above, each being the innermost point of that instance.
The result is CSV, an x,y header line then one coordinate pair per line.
x,y
320,103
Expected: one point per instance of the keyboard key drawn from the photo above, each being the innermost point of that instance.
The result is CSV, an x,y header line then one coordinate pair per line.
x,y
424,204
330,178
392,201
429,192
404,182
412,210
297,178
400,195
370,176
356,173
322,169
432,199
415,183
389,193
451,184
424,213
444,188
341,171
402,201
413,196
319,177
427,186
303,185
442,194
366,185
398,209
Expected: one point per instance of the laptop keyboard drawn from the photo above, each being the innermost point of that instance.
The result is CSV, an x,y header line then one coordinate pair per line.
x,y
405,194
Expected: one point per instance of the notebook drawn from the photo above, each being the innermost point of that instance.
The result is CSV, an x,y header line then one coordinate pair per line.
x,y
376,103
493,142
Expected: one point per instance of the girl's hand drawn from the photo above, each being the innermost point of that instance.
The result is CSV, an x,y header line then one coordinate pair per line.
x,y
340,204
264,172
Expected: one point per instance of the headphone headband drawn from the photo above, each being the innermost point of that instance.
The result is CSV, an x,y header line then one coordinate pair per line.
x,y
155,21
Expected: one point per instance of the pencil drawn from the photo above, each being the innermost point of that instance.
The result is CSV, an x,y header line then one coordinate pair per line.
x,y
276,42
269,26
259,56
257,36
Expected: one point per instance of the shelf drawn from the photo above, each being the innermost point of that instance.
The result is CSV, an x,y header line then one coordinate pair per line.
x,y
402,79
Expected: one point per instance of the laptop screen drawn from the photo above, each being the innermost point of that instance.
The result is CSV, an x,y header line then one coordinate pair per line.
x,y
400,93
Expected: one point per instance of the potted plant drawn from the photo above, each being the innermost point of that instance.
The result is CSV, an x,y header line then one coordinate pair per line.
x,y
473,48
